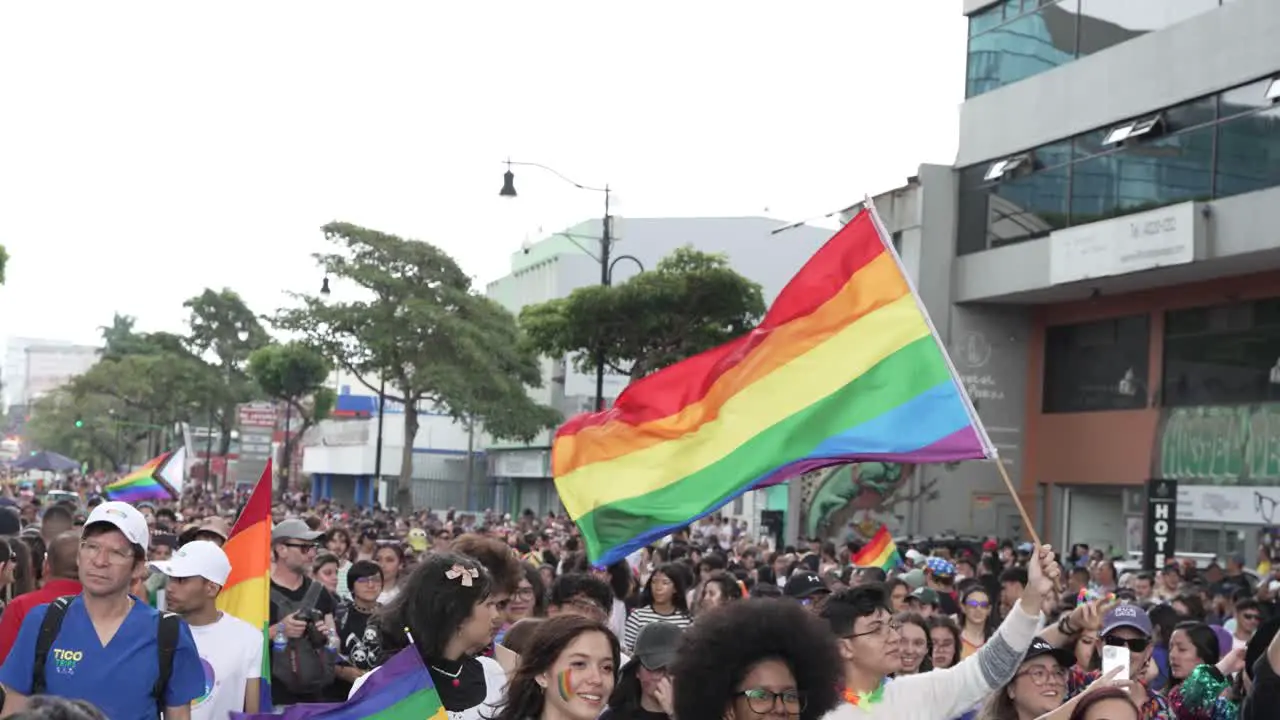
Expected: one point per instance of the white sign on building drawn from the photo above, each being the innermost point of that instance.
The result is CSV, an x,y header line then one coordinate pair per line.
x,y
1234,505
1163,237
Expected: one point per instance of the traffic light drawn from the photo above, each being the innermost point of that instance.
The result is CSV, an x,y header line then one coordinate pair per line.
x,y
79,423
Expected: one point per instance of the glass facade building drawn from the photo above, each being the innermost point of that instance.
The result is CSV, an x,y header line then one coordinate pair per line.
x,y
1212,147
1015,39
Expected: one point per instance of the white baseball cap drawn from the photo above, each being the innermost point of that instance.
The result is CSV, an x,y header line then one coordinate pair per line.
x,y
125,518
198,558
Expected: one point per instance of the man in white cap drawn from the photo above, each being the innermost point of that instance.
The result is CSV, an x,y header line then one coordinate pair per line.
x,y
105,646
230,647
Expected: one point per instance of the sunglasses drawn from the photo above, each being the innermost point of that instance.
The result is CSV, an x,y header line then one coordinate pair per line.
x,y
982,604
1135,645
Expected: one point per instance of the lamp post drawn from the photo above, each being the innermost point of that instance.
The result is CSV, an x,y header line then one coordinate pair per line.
x,y
377,450
607,262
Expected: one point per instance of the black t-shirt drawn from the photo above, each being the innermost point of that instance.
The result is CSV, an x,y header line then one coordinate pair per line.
x,y
633,714
947,604
1265,696
324,604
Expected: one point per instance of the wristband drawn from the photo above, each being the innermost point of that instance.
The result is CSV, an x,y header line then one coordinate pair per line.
x,y
1064,627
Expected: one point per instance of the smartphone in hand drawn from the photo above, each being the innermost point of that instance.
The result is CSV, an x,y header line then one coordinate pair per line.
x,y
1115,657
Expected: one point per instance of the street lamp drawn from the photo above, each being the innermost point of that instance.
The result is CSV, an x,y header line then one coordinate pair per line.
x,y
324,286
606,247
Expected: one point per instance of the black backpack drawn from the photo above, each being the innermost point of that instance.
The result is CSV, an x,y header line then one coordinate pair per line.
x,y
304,666
167,631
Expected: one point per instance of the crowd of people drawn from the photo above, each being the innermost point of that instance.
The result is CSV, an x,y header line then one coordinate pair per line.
x,y
111,612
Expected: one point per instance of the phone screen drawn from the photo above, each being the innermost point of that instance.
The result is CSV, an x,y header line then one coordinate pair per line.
x,y
1113,657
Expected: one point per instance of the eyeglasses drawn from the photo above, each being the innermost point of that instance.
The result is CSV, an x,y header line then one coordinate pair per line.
x,y
304,547
115,556
877,630
1251,617
524,593
1136,645
369,580
762,701
1041,675
981,604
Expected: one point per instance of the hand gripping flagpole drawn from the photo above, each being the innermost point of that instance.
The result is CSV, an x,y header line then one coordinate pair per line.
x,y
987,446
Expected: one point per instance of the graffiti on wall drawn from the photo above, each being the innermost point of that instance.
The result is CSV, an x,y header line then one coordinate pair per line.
x,y
840,494
1220,445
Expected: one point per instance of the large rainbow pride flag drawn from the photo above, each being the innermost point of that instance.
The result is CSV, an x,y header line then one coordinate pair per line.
x,y
247,592
881,551
160,478
400,689
845,367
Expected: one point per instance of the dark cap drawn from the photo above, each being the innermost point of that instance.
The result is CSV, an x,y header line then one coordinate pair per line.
x,y
1041,647
657,645
1125,615
805,584
928,596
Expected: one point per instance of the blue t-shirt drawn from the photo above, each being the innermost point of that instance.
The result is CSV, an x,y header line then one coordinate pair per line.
x,y
117,678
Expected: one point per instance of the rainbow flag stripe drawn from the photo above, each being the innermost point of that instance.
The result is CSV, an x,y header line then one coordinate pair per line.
x,y
145,483
881,552
400,689
845,367
247,593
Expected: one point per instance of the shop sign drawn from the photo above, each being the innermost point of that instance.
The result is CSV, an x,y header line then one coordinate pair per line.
x,y
1162,518
1228,504
1220,445
1134,243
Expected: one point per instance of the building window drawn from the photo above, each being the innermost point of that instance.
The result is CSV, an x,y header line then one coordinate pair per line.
x,y
1143,177
1026,45
1016,39
1097,366
1212,147
1222,355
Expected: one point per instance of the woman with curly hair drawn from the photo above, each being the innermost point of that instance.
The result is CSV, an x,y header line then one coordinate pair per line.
x,y
447,609
567,672
757,659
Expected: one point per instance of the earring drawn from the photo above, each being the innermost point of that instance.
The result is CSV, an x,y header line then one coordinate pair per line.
x,y
542,682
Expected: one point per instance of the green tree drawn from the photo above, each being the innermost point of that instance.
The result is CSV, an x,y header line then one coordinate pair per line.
x,y
691,302
421,326
295,374
224,332
4,263
99,440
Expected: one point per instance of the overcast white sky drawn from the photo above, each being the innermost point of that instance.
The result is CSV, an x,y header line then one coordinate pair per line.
x,y
151,149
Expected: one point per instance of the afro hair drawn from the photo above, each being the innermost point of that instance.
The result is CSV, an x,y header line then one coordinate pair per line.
x,y
721,648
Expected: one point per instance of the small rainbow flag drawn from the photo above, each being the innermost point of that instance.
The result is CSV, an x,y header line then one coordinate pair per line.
x,y
845,367
247,592
400,689
879,552
160,478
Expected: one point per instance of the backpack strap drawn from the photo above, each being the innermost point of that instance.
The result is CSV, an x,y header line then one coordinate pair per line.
x,y
49,629
167,633
312,597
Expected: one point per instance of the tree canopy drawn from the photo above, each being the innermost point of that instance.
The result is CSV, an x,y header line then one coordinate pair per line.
x,y
127,404
420,324
691,302
294,373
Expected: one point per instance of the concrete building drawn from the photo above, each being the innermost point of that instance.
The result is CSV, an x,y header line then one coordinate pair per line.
x,y
33,367
560,263
1105,264
340,455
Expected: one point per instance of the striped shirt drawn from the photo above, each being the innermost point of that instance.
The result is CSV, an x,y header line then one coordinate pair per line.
x,y
643,616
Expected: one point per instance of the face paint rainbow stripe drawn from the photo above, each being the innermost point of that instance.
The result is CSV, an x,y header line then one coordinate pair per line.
x,y
564,683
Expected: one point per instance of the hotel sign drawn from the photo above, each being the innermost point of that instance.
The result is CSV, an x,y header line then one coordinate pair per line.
x,y
1143,241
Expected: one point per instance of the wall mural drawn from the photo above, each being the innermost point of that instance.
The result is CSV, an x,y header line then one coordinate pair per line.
x,y
833,498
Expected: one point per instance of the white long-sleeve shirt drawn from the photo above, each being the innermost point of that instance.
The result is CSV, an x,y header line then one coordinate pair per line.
x,y
949,693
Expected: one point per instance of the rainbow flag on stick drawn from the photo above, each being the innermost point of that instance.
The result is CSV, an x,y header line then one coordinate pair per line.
x,y
247,593
881,552
160,478
845,367
401,689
